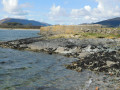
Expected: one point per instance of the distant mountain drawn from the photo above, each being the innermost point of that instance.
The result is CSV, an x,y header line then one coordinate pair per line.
x,y
23,22
115,22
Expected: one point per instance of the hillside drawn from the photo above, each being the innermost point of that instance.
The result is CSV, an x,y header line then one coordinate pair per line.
x,y
115,22
23,22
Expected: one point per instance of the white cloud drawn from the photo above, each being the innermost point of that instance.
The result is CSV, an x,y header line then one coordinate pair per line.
x,y
12,7
105,9
88,8
57,13
80,12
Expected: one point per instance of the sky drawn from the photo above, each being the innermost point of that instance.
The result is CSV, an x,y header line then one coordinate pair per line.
x,y
64,12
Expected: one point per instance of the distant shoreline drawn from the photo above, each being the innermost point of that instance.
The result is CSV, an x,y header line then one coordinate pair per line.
x,y
18,29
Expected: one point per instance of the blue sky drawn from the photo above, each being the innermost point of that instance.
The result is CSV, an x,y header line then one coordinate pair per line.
x,y
60,11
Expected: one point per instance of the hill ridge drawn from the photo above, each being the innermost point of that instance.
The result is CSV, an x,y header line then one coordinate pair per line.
x,y
114,22
24,22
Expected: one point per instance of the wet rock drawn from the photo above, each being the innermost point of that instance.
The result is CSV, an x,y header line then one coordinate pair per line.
x,y
49,50
103,61
84,45
79,69
69,45
93,47
3,62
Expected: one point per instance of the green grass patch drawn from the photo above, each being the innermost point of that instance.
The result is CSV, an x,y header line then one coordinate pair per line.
x,y
99,35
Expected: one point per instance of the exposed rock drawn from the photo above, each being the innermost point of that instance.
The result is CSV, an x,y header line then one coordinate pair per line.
x,y
15,43
60,50
84,54
79,69
102,61
110,63
102,55
23,46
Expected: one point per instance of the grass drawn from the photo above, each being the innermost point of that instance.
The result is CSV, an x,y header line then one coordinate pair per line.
x,y
80,31
61,36
86,35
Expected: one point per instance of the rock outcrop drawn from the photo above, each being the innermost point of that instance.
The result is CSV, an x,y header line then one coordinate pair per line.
x,y
102,55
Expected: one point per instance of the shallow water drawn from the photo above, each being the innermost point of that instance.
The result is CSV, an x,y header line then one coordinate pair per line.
x,y
25,70
6,35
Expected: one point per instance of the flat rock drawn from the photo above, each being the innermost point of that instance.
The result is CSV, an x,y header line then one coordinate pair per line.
x,y
110,63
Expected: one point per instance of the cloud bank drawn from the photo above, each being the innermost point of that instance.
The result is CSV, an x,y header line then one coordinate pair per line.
x,y
105,9
12,8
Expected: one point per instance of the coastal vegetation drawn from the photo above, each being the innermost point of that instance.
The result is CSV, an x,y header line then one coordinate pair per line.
x,y
80,31
85,35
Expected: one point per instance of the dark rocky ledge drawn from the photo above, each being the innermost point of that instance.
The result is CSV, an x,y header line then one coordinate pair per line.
x,y
103,61
102,55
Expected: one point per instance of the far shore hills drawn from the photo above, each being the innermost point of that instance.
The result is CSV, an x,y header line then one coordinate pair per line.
x,y
13,23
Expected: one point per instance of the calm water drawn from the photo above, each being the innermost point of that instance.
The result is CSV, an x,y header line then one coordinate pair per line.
x,y
25,70
6,35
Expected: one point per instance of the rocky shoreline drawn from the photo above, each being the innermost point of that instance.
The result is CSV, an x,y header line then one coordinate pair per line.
x,y
100,54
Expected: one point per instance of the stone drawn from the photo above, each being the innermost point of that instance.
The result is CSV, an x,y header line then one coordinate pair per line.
x,y
79,69
15,42
23,46
110,63
60,50
83,54
64,50
87,49
93,46
84,45
96,69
